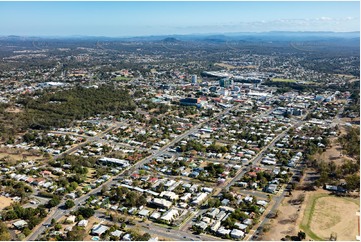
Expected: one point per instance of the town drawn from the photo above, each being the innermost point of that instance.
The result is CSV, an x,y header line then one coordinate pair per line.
x,y
169,140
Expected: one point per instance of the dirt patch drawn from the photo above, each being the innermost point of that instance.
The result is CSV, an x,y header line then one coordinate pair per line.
x,y
334,153
13,110
5,202
334,214
287,220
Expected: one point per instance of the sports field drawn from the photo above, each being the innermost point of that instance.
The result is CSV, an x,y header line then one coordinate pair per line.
x,y
122,78
283,80
326,214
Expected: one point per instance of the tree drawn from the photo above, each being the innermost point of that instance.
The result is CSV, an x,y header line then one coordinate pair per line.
x,y
104,190
69,204
4,232
301,235
76,234
352,182
85,212
26,231
53,221
57,227
55,201
144,237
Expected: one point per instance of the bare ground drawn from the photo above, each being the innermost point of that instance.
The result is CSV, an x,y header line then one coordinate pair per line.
x,y
287,221
5,202
333,153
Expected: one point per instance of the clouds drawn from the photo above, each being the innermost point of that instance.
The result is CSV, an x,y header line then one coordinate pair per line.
x,y
323,23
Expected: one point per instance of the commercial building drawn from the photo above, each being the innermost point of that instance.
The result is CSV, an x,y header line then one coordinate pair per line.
x,y
194,79
189,101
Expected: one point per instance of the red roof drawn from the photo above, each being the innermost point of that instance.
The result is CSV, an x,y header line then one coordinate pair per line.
x,y
135,175
254,174
153,179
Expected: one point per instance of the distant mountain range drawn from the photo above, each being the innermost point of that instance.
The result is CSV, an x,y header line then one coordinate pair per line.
x,y
249,37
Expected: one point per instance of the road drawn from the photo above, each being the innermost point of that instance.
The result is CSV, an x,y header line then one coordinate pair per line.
x,y
57,212
161,231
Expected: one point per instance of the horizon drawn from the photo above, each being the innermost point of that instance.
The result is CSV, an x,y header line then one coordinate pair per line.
x,y
227,34
141,19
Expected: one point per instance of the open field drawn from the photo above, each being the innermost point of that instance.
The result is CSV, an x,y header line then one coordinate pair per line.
x,y
5,202
283,80
122,78
230,67
17,157
326,214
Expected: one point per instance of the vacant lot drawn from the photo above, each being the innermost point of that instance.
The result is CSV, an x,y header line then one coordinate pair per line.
x,y
326,214
5,202
287,221
334,153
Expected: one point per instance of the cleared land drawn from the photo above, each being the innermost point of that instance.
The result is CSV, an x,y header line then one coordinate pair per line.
x,y
326,214
5,202
288,220
334,153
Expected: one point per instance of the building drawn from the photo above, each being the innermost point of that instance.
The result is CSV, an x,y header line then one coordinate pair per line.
x,y
271,188
237,234
169,215
200,198
169,195
113,161
189,101
160,202
225,82
20,224
116,233
71,219
83,223
194,79
99,229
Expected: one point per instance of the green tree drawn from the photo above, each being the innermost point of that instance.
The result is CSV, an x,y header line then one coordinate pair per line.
x,y
4,232
55,201
69,204
85,212
76,234
301,235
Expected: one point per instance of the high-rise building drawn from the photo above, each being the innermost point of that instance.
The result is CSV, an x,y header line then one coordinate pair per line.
x,y
225,82
194,79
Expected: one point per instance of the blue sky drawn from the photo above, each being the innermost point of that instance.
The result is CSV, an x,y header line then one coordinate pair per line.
x,y
156,18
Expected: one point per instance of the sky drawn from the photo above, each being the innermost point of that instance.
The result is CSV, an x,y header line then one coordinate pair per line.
x,y
122,19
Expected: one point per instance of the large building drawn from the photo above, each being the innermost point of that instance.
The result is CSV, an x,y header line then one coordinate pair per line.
x,y
194,79
225,82
190,101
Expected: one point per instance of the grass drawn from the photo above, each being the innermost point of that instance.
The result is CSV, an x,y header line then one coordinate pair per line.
x,y
305,225
283,80
122,78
